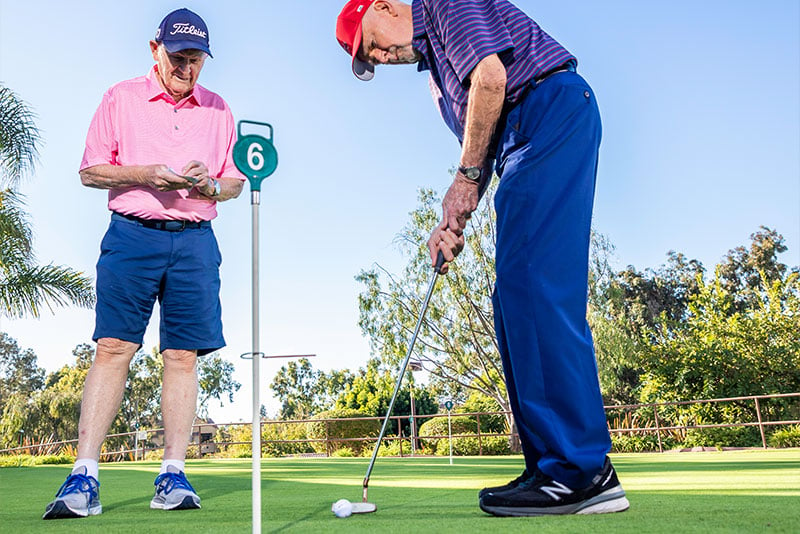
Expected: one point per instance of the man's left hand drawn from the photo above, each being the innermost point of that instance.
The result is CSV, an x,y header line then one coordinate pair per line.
x,y
459,203
447,242
199,171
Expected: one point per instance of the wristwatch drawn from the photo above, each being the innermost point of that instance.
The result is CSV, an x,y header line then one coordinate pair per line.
x,y
217,187
471,173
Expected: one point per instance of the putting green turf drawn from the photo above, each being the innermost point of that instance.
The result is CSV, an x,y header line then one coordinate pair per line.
x,y
738,491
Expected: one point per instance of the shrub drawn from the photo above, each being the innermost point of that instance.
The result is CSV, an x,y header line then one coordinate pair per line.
x,y
26,460
233,434
785,437
496,445
461,447
16,460
461,424
639,442
737,436
154,456
55,459
283,439
340,430
344,452
488,446
391,448
490,424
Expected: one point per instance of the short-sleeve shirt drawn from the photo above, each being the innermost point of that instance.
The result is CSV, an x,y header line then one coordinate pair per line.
x,y
453,36
138,123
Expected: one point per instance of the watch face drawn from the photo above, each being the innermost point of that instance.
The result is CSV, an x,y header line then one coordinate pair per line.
x,y
473,173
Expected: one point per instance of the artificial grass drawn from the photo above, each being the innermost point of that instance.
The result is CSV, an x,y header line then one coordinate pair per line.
x,y
737,491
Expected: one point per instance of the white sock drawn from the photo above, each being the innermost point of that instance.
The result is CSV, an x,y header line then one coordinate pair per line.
x,y
90,465
178,464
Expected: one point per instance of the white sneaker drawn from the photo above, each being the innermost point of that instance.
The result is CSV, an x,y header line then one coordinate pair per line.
x,y
173,492
78,496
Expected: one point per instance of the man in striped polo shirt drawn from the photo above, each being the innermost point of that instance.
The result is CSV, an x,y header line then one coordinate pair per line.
x,y
510,94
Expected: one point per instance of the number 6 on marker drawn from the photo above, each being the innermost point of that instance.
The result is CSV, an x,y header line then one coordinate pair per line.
x,y
255,156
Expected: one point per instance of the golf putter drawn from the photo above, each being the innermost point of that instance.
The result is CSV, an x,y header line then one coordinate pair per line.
x,y
365,507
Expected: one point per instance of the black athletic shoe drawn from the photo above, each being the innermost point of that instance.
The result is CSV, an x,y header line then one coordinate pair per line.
x,y
541,495
505,487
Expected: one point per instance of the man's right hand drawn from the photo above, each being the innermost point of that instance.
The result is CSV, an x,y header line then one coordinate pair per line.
x,y
163,178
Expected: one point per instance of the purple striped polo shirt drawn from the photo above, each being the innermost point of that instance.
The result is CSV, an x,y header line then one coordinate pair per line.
x,y
454,35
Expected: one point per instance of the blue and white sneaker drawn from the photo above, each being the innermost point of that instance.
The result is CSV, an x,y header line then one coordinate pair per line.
x,y
78,496
173,492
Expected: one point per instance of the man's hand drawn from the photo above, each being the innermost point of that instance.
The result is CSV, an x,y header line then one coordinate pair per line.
x,y
448,242
199,171
459,203
163,178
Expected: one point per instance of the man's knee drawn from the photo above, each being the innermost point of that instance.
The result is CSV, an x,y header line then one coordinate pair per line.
x,y
112,350
180,359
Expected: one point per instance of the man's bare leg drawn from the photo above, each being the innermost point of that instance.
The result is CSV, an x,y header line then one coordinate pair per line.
x,y
178,401
102,394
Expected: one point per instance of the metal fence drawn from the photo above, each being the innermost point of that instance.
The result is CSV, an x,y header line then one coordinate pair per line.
x,y
137,444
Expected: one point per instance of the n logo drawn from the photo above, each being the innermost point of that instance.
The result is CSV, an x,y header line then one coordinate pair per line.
x,y
556,491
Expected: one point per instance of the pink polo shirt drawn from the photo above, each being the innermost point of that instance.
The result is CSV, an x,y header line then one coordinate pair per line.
x,y
138,123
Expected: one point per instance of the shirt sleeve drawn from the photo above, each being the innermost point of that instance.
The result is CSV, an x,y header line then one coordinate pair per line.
x,y
229,169
102,143
471,31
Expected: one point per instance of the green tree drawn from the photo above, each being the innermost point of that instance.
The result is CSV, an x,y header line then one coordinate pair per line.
x,y
372,389
53,412
457,343
304,391
746,272
19,370
216,381
723,352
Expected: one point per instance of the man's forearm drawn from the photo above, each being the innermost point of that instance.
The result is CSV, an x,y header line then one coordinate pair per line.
x,y
486,96
111,176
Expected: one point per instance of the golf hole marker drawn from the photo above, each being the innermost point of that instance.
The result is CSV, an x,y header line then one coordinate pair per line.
x,y
255,157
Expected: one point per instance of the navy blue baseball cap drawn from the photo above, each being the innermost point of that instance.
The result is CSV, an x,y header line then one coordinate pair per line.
x,y
183,29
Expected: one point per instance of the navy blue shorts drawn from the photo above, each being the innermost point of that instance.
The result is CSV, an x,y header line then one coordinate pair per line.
x,y
138,265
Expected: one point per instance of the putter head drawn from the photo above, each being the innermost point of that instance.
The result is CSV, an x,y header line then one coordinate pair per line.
x,y
364,507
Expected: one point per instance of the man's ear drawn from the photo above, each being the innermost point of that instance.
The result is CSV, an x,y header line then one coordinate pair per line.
x,y
154,49
384,7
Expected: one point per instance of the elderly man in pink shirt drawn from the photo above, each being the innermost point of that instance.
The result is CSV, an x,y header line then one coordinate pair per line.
x,y
161,145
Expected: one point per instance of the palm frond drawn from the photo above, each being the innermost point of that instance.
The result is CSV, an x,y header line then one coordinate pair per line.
x,y
19,138
24,291
16,236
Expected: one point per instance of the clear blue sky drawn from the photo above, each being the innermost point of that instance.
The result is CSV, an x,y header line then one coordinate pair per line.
x,y
701,112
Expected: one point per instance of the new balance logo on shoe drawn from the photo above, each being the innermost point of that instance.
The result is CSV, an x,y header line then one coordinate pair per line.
x,y
556,490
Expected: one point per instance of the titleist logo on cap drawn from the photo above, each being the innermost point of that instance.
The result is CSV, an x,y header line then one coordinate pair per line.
x,y
185,27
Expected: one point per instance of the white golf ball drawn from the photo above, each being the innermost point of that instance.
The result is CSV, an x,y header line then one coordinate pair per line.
x,y
342,508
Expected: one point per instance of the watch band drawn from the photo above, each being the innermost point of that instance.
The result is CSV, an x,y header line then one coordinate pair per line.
x,y
471,173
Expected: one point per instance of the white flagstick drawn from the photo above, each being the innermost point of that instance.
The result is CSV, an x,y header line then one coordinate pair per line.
x,y
255,157
256,453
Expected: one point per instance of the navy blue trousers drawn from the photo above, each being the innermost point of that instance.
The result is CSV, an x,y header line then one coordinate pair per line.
x,y
547,163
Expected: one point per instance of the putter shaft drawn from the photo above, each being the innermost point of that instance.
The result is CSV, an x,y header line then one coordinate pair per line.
x,y
398,384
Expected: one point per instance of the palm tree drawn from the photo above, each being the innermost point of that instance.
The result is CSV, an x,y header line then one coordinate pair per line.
x,y
25,286
18,138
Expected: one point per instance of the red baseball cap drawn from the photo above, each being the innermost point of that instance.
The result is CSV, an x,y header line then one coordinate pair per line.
x,y
348,33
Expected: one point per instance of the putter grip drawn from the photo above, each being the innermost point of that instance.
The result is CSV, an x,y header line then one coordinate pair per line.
x,y
439,262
